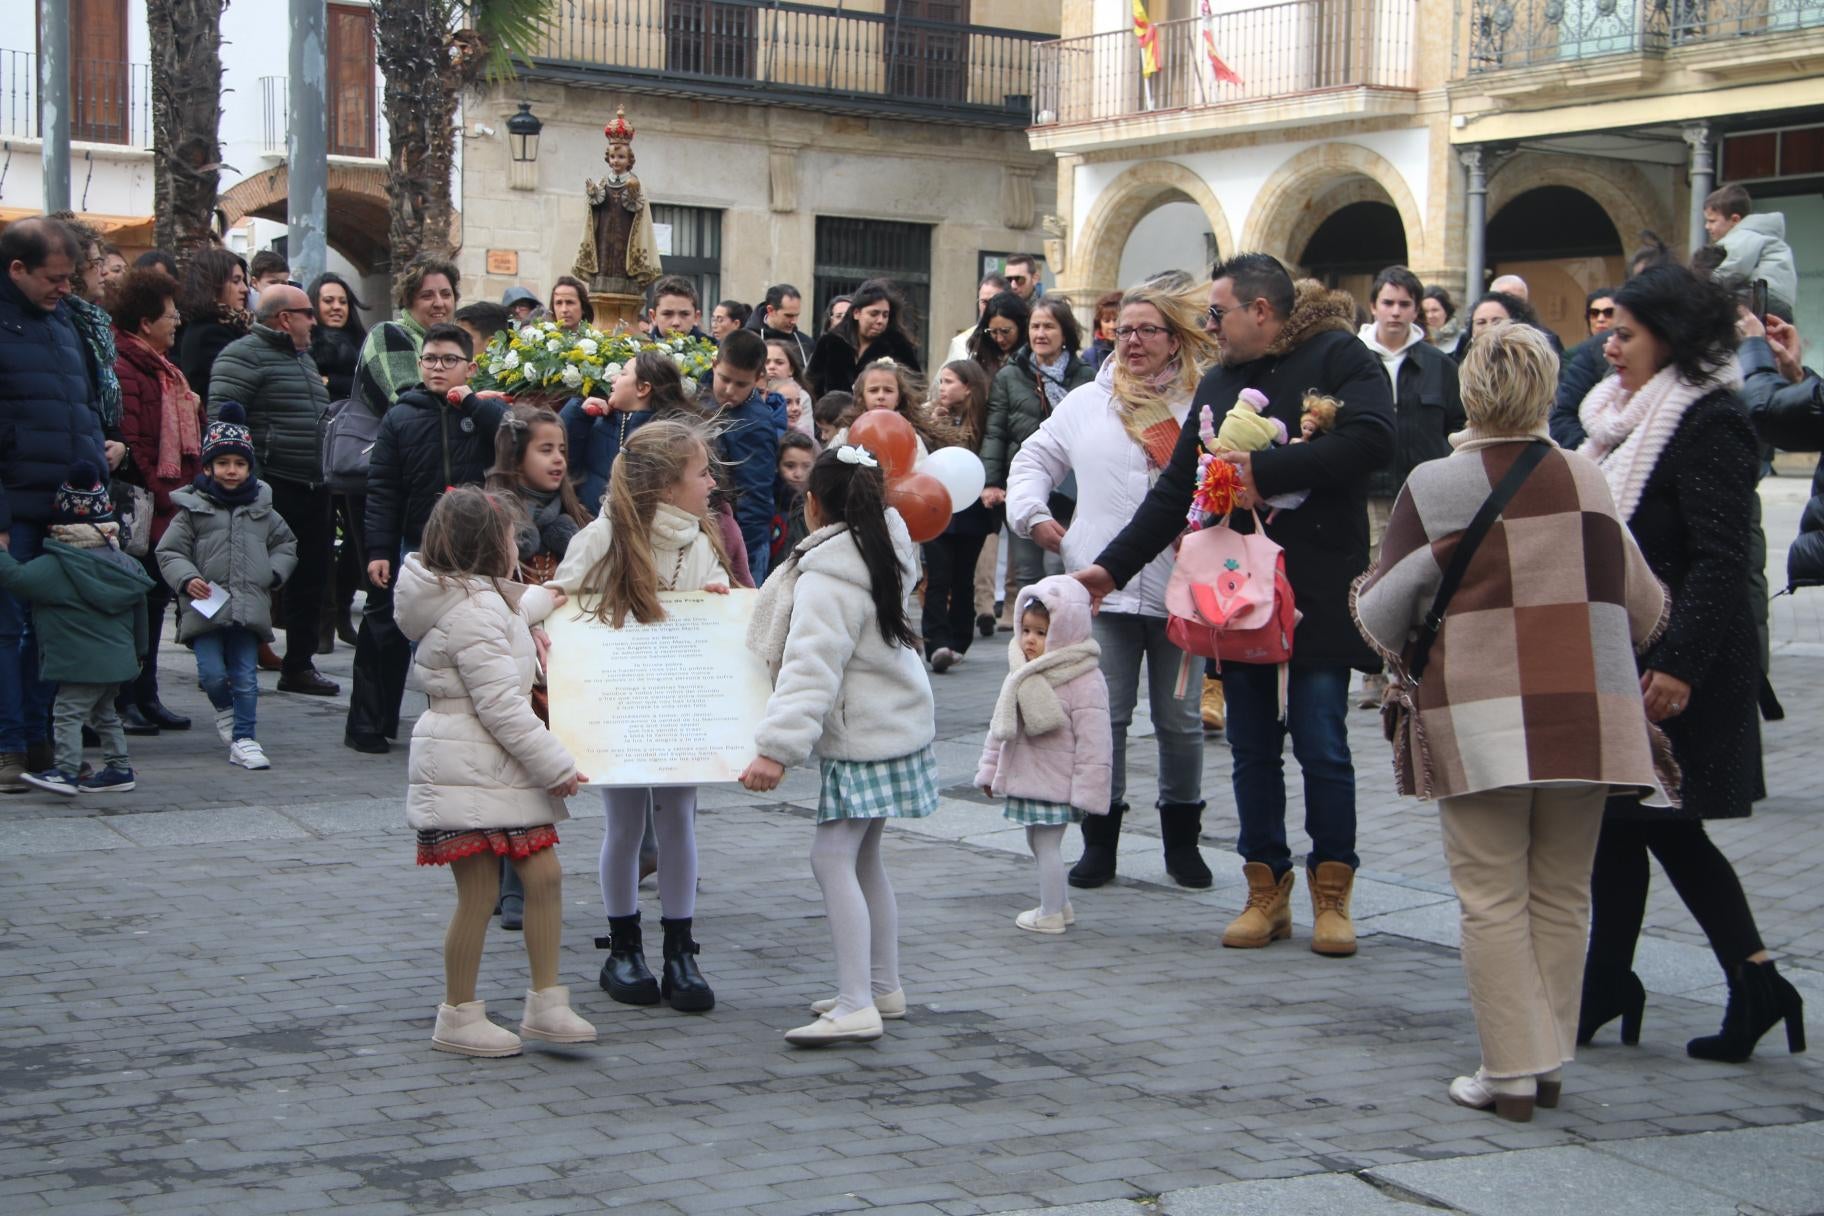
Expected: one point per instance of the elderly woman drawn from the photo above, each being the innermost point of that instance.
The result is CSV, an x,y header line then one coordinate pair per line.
x,y
1672,437
1116,432
1529,708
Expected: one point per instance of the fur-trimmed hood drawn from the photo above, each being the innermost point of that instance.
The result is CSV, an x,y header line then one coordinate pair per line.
x,y
1315,310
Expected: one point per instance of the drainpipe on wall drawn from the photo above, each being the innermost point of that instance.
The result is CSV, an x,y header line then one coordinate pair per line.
x,y
1475,222
1703,181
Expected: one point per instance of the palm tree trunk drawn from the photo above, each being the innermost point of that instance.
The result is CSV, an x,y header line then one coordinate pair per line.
x,y
420,106
186,120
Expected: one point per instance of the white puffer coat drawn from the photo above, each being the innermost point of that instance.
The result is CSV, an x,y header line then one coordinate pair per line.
x,y
480,756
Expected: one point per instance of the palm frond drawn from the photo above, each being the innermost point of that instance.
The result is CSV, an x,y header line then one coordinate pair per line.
x,y
506,33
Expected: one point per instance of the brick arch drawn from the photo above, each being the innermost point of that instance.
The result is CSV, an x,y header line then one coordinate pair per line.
x,y
1619,188
358,218
1288,205
1127,200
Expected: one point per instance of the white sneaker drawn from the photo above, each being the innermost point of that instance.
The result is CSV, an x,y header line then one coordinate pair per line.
x,y
1031,921
224,724
248,754
862,1026
1511,1097
548,1017
891,1005
465,1031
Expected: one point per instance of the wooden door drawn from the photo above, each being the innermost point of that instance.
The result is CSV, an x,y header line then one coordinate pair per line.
x,y
351,81
98,71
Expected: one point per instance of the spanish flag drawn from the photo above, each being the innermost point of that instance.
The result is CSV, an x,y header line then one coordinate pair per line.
x,y
1220,70
1148,37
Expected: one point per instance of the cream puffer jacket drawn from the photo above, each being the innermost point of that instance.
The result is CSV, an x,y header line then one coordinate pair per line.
x,y
681,550
480,756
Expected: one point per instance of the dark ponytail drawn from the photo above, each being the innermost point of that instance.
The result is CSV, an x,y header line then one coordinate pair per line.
x,y
856,495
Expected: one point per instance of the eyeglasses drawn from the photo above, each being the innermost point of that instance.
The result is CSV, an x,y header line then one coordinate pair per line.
x,y
442,362
1602,313
1146,333
305,312
1216,314
1002,331
1016,278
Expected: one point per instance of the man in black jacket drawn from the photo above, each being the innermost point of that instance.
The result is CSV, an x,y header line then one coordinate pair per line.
x,y
1286,342
776,320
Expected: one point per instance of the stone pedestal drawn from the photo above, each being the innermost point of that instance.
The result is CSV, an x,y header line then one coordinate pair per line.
x,y
613,309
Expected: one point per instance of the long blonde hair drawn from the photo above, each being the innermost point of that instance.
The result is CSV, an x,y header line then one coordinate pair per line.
x,y
653,460
1182,309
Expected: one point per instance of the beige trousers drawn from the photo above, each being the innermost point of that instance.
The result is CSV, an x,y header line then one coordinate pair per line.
x,y
1520,860
985,597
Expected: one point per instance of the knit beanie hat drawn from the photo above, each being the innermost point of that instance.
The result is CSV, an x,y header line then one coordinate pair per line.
x,y
228,434
82,498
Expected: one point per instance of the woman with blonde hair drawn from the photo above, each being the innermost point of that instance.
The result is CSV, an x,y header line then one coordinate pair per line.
x,y
1116,433
1518,728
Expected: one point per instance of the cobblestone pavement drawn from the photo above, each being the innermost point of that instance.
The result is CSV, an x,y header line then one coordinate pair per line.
x,y
219,988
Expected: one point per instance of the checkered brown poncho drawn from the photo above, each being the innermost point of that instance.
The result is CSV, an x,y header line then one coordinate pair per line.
x,y
1533,678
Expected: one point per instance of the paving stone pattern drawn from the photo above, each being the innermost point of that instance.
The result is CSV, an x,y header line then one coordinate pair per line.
x,y
219,989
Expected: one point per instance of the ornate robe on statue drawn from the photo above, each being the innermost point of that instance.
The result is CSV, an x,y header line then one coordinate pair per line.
x,y
619,253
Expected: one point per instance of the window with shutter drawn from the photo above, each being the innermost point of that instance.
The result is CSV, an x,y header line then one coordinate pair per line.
x,y
351,81
98,71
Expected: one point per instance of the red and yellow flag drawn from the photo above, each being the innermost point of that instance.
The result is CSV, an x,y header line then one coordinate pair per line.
x,y
1148,37
1219,69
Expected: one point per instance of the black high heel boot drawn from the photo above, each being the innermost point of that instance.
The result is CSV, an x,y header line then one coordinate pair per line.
x,y
1101,837
625,976
1604,1001
1759,999
683,985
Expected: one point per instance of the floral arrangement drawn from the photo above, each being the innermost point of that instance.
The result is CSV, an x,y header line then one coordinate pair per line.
x,y
544,357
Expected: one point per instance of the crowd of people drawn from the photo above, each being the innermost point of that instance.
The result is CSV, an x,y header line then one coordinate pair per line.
x,y
1563,540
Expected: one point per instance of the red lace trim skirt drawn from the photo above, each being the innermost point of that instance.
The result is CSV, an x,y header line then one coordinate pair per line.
x,y
440,848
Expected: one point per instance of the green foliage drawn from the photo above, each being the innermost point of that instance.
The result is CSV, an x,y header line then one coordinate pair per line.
x,y
507,31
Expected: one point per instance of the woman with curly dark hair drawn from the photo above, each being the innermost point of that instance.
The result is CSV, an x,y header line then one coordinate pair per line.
x,y
213,301
999,332
1672,436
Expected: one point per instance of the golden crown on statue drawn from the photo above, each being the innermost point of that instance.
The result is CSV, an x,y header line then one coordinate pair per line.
x,y
619,131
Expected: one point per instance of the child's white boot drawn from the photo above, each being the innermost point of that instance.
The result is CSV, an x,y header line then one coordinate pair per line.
x,y
465,1030
548,1017
1033,921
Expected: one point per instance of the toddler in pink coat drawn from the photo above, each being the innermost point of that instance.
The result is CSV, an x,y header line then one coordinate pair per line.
x,y
1049,749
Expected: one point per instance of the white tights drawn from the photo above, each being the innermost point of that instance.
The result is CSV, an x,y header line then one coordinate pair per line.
x,y
858,899
1046,842
674,813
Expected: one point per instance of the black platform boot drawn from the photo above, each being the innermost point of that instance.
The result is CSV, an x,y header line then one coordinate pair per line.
x,y
1759,999
1181,827
1101,837
683,985
1606,998
625,976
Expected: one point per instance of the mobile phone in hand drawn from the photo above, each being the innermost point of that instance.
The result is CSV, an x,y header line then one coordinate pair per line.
x,y
1759,305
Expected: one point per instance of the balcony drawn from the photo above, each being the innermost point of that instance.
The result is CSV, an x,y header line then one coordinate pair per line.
x,y
1507,34
110,102
763,52
353,126
1297,61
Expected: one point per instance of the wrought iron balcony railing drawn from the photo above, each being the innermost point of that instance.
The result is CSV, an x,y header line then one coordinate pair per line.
x,y
1276,50
795,54
1527,33
110,101
353,118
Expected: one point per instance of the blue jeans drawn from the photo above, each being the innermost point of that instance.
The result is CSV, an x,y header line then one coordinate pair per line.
x,y
25,700
1126,638
227,665
1317,707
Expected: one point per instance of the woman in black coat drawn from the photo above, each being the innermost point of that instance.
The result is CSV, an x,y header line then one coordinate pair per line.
x,y
214,304
874,328
335,342
1670,432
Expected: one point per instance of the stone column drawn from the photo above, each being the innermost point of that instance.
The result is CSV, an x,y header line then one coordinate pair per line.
x,y
1703,180
1475,220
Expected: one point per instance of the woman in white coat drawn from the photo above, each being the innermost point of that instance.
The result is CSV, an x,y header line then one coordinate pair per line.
x,y
1116,433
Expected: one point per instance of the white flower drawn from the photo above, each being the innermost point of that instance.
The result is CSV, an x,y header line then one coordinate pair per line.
x,y
529,333
681,361
495,367
572,376
554,346
611,371
588,346
690,387
511,361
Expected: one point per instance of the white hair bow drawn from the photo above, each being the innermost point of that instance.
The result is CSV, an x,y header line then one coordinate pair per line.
x,y
849,453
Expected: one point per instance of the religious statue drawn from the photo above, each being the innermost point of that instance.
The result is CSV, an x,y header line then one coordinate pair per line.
x,y
619,254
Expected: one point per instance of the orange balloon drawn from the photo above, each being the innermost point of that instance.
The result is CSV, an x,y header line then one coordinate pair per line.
x,y
888,435
923,502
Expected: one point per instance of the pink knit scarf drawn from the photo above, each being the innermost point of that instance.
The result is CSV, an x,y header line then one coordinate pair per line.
x,y
1625,433
179,428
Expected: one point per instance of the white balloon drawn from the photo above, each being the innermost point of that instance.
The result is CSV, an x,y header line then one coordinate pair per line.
x,y
961,472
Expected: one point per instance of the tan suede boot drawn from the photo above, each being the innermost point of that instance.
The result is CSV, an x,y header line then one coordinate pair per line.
x,y
1333,934
1213,705
1268,915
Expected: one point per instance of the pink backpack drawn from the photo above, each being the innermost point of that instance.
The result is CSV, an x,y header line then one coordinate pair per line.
x,y
1229,599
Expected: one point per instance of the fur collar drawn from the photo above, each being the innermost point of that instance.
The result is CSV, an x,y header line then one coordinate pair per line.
x,y
1315,310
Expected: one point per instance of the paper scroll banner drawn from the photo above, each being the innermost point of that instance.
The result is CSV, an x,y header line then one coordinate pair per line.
x,y
672,703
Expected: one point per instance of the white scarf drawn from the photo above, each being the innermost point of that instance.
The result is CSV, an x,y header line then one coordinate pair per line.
x,y
772,619
1029,703
1627,432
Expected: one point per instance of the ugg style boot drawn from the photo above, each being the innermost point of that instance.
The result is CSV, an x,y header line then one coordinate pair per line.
x,y
548,1017
464,1030
1331,933
1213,705
1181,827
1101,838
625,975
683,985
1268,916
